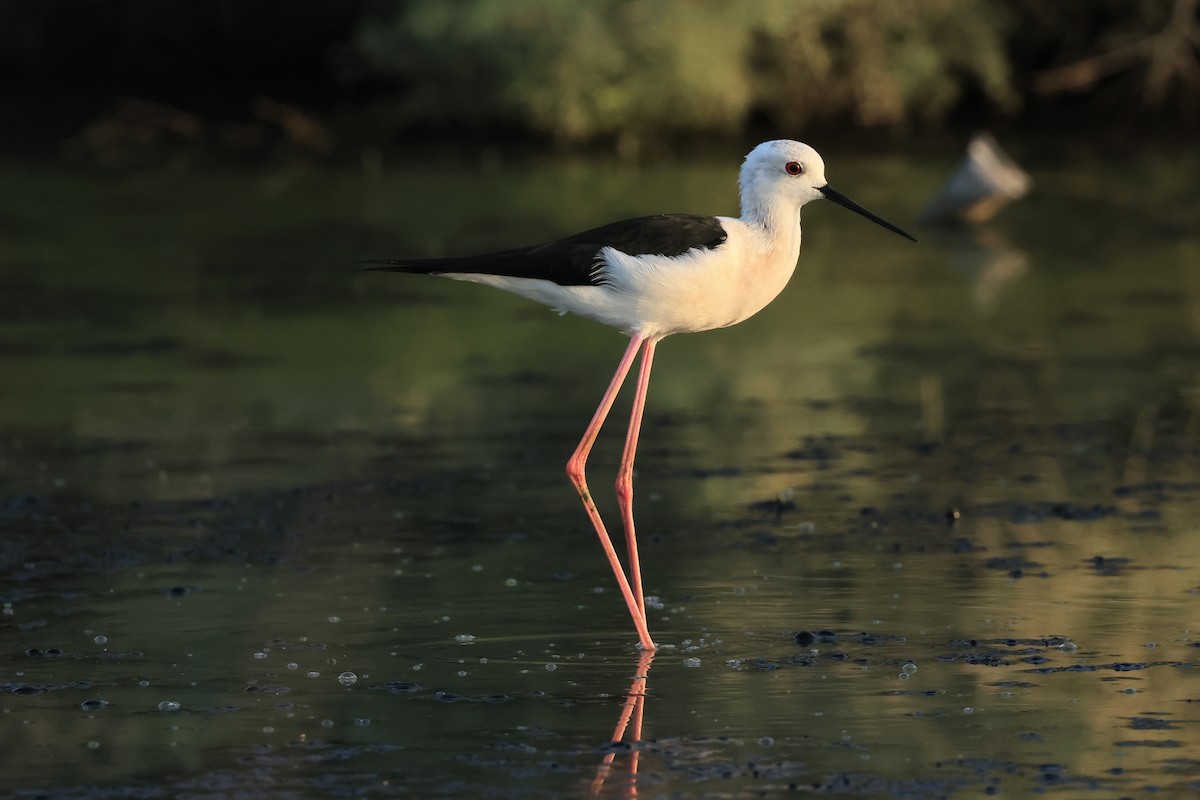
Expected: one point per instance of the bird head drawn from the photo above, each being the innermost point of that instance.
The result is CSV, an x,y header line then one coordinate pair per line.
x,y
782,171
790,173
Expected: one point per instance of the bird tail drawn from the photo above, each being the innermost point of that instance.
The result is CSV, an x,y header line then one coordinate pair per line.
x,y
414,266
508,262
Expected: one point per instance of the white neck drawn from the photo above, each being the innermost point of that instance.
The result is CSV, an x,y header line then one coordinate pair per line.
x,y
762,207
774,217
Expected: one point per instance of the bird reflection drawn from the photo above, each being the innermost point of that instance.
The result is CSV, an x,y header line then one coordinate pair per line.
x,y
630,720
988,260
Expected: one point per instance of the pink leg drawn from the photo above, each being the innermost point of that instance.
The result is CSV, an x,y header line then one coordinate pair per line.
x,y
625,474
575,470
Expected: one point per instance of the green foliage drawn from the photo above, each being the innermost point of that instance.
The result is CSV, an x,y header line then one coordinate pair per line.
x,y
883,63
573,70
609,70
632,68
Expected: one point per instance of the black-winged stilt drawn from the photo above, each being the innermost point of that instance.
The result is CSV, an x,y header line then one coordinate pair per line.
x,y
655,276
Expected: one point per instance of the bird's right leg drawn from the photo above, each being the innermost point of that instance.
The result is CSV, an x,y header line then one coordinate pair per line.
x,y
625,473
575,470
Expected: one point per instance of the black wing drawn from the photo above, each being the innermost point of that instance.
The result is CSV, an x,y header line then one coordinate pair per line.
x,y
572,261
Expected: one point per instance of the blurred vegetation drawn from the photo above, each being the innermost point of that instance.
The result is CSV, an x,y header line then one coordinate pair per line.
x,y
625,69
608,70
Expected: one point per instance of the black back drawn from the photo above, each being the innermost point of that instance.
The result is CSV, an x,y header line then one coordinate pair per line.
x,y
573,261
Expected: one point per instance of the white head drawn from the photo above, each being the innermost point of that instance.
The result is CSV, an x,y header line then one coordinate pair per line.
x,y
782,175
780,171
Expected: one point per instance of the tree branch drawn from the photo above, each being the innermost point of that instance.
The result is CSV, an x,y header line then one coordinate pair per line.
x,y
1168,54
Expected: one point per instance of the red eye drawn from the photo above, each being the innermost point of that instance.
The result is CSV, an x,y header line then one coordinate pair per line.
x,y
794,168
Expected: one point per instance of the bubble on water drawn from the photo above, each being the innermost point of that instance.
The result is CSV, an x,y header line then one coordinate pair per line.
x,y
326,723
464,638
739,590
691,662
362,722
92,745
551,667
655,602
93,705
1129,690
806,527
1068,647
904,676
268,729
313,674
510,582
462,673
483,661
1152,644
168,705
347,679
260,655
909,667
293,665
101,639
477,568
968,710
144,683
335,619
766,741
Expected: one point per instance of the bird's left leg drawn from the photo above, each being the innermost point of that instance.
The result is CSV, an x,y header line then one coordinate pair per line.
x,y
625,473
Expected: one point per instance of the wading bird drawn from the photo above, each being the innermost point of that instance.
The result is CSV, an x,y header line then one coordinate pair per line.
x,y
655,276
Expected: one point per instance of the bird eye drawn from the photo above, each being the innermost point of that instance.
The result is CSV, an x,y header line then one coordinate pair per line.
x,y
794,168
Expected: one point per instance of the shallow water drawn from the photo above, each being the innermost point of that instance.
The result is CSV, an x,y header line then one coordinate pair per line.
x,y
924,527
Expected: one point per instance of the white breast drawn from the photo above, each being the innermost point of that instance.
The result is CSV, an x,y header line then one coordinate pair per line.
x,y
704,289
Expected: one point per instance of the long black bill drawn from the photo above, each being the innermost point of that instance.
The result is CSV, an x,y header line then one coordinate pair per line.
x,y
841,199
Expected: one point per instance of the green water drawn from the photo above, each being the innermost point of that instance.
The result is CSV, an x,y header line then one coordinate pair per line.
x,y
249,469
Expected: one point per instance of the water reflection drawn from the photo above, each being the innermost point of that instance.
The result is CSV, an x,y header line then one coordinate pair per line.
x,y
986,258
632,713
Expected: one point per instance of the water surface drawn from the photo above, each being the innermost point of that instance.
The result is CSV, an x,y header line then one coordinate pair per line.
x,y
924,527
